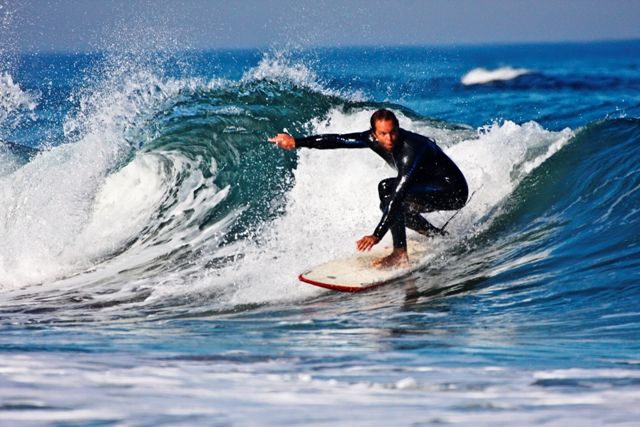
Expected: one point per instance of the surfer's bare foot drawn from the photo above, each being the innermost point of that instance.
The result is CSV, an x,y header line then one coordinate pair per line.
x,y
397,258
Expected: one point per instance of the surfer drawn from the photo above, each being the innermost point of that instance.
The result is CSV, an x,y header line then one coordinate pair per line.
x,y
428,180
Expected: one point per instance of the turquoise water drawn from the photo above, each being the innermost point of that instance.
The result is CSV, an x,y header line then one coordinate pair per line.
x,y
151,239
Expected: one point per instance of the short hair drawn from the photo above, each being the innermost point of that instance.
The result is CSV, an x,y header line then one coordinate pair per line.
x,y
383,114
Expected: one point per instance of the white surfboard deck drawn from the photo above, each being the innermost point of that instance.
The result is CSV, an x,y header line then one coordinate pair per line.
x,y
356,273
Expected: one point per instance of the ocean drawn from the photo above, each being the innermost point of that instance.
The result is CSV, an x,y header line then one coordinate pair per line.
x,y
151,239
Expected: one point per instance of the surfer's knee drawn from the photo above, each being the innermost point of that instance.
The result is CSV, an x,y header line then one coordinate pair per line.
x,y
386,187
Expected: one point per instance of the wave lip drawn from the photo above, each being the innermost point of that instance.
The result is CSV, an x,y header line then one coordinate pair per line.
x,y
480,76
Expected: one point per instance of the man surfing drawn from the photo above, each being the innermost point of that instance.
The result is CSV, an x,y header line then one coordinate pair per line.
x,y
428,180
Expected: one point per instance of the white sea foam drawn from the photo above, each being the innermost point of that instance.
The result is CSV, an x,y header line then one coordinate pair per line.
x,y
479,76
90,216
118,388
495,162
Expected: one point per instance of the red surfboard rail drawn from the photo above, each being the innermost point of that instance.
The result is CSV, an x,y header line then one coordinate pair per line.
x,y
338,287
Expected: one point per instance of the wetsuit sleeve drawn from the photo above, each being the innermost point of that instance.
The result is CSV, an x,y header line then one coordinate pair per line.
x,y
334,140
410,162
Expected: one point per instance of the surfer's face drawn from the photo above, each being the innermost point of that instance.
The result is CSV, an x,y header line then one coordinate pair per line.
x,y
385,133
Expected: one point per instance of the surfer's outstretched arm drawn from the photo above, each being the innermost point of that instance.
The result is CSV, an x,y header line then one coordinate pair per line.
x,y
326,141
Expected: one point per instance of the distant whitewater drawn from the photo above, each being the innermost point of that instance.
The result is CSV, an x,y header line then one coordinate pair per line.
x,y
480,76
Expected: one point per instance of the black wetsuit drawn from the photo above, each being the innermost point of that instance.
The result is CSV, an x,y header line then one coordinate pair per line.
x,y
428,180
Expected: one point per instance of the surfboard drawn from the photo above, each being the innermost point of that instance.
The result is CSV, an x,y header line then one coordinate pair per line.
x,y
356,273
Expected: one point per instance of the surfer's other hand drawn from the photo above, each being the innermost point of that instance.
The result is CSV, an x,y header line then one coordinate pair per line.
x,y
366,243
284,140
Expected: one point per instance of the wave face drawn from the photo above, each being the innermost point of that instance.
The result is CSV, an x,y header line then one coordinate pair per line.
x,y
154,166
568,235
151,240
176,178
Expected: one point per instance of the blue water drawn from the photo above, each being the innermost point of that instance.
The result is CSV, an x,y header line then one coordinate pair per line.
x,y
151,239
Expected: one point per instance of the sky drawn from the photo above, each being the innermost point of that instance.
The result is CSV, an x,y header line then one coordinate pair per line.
x,y
89,25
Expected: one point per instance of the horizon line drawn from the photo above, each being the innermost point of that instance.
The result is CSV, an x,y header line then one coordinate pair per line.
x,y
354,46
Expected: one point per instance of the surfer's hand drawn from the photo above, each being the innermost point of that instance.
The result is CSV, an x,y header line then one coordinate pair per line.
x,y
284,140
366,243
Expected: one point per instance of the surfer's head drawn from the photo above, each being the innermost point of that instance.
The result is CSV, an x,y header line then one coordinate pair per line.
x,y
385,128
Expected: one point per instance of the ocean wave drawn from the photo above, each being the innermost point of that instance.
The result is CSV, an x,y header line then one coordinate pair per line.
x,y
167,194
184,139
480,76
567,234
526,79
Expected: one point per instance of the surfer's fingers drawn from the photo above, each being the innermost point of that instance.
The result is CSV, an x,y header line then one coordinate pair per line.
x,y
278,137
283,140
365,244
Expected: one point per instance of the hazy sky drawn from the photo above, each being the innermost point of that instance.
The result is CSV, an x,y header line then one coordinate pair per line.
x,y
80,25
